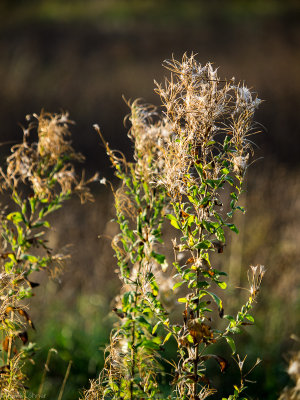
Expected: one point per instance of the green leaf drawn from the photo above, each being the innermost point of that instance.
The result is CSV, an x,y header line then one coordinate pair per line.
x,y
231,343
32,202
191,199
249,318
225,171
232,227
24,208
204,244
219,218
229,179
177,285
205,256
210,143
189,221
182,300
202,305
15,217
204,202
199,168
190,338
220,235
143,322
155,327
171,217
222,285
127,300
212,183
226,143
113,385
154,287
175,224
150,344
210,227
167,337
12,257
42,212
216,299
202,285
192,283
41,223
160,258
189,274
29,257
176,328
230,318
173,220
9,266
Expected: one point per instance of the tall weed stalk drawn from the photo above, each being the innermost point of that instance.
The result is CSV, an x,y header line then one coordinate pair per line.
x,y
208,152
132,365
38,178
189,166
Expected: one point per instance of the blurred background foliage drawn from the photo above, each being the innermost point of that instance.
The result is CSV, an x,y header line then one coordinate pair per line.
x,y
81,56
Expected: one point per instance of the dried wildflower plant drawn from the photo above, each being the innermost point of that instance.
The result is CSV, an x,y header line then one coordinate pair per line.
x,y
209,149
183,159
132,363
46,165
38,177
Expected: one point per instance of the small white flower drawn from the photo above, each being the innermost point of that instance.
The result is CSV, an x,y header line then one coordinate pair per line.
x,y
245,94
240,163
256,102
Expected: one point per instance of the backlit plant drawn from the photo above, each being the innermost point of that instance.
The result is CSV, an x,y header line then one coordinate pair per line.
x,y
189,167
131,367
208,151
38,177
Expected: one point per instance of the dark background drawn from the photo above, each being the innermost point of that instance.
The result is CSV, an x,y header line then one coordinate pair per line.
x,y
82,56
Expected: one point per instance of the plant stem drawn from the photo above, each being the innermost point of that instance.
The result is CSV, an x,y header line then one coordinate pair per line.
x,y
196,359
46,369
197,344
132,357
65,381
10,340
133,334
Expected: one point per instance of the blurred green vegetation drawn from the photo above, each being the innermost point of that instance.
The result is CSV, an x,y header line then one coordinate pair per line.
x,y
78,330
151,11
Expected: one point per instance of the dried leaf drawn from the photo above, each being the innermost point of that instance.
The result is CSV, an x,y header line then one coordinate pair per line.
x,y
223,364
23,336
